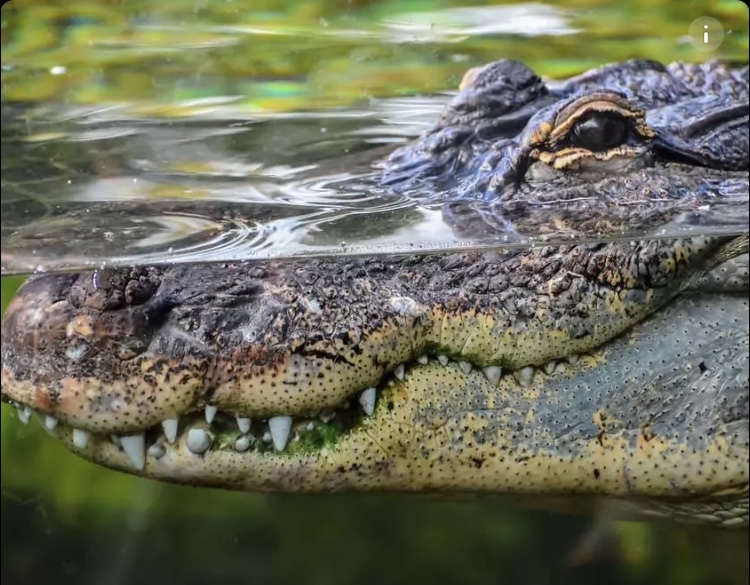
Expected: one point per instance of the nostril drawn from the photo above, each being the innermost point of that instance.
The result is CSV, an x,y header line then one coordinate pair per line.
x,y
157,310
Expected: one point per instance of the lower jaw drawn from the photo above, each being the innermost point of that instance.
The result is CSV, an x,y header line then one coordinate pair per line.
x,y
377,471
403,448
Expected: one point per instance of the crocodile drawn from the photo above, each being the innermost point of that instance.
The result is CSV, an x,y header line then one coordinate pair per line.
x,y
613,369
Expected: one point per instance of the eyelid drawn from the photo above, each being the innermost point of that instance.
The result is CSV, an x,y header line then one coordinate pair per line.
x,y
603,102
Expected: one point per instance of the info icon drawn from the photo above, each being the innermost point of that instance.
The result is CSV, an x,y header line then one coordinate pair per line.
x,y
706,34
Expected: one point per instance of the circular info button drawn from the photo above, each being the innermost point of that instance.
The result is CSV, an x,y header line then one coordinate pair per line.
x,y
706,34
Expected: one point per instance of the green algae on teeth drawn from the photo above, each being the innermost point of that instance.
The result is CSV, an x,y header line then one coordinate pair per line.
x,y
270,435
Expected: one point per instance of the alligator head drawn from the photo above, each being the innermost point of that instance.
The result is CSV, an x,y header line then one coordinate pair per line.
x,y
615,369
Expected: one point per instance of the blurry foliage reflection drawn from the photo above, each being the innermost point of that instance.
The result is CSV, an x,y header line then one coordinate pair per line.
x,y
282,55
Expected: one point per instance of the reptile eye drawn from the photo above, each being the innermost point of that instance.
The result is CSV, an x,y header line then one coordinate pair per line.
x,y
600,133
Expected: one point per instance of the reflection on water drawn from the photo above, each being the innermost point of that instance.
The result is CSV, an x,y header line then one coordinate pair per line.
x,y
146,131
85,188
126,150
192,192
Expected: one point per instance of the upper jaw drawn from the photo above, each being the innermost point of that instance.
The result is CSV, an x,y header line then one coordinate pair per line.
x,y
99,391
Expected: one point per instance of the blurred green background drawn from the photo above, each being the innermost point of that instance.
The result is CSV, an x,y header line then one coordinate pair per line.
x,y
67,521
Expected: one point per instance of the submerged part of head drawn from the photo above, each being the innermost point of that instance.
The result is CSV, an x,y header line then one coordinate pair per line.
x,y
659,416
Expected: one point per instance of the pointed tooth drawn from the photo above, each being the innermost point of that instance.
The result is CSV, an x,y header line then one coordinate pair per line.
x,y
244,424
280,427
310,426
198,441
50,422
443,359
524,375
423,359
399,372
266,437
465,367
80,438
135,448
493,374
550,366
24,413
170,429
211,411
572,359
367,400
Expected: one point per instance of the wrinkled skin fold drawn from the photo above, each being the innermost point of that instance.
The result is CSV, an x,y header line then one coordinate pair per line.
x,y
615,369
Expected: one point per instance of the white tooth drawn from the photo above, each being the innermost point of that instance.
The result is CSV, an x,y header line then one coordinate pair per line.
x,y
399,372
50,422
244,424
266,437
423,359
465,367
157,450
327,415
280,427
135,448
198,441
211,413
493,373
24,413
550,366
241,444
367,400
443,359
310,426
80,438
572,359
524,375
170,428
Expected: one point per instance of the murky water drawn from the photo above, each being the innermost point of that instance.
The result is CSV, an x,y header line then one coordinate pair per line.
x,y
144,131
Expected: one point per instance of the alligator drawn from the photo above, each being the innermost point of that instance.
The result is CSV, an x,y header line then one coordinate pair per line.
x,y
596,369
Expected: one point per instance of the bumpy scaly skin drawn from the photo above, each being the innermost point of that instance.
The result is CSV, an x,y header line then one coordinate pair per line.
x,y
642,415
292,338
